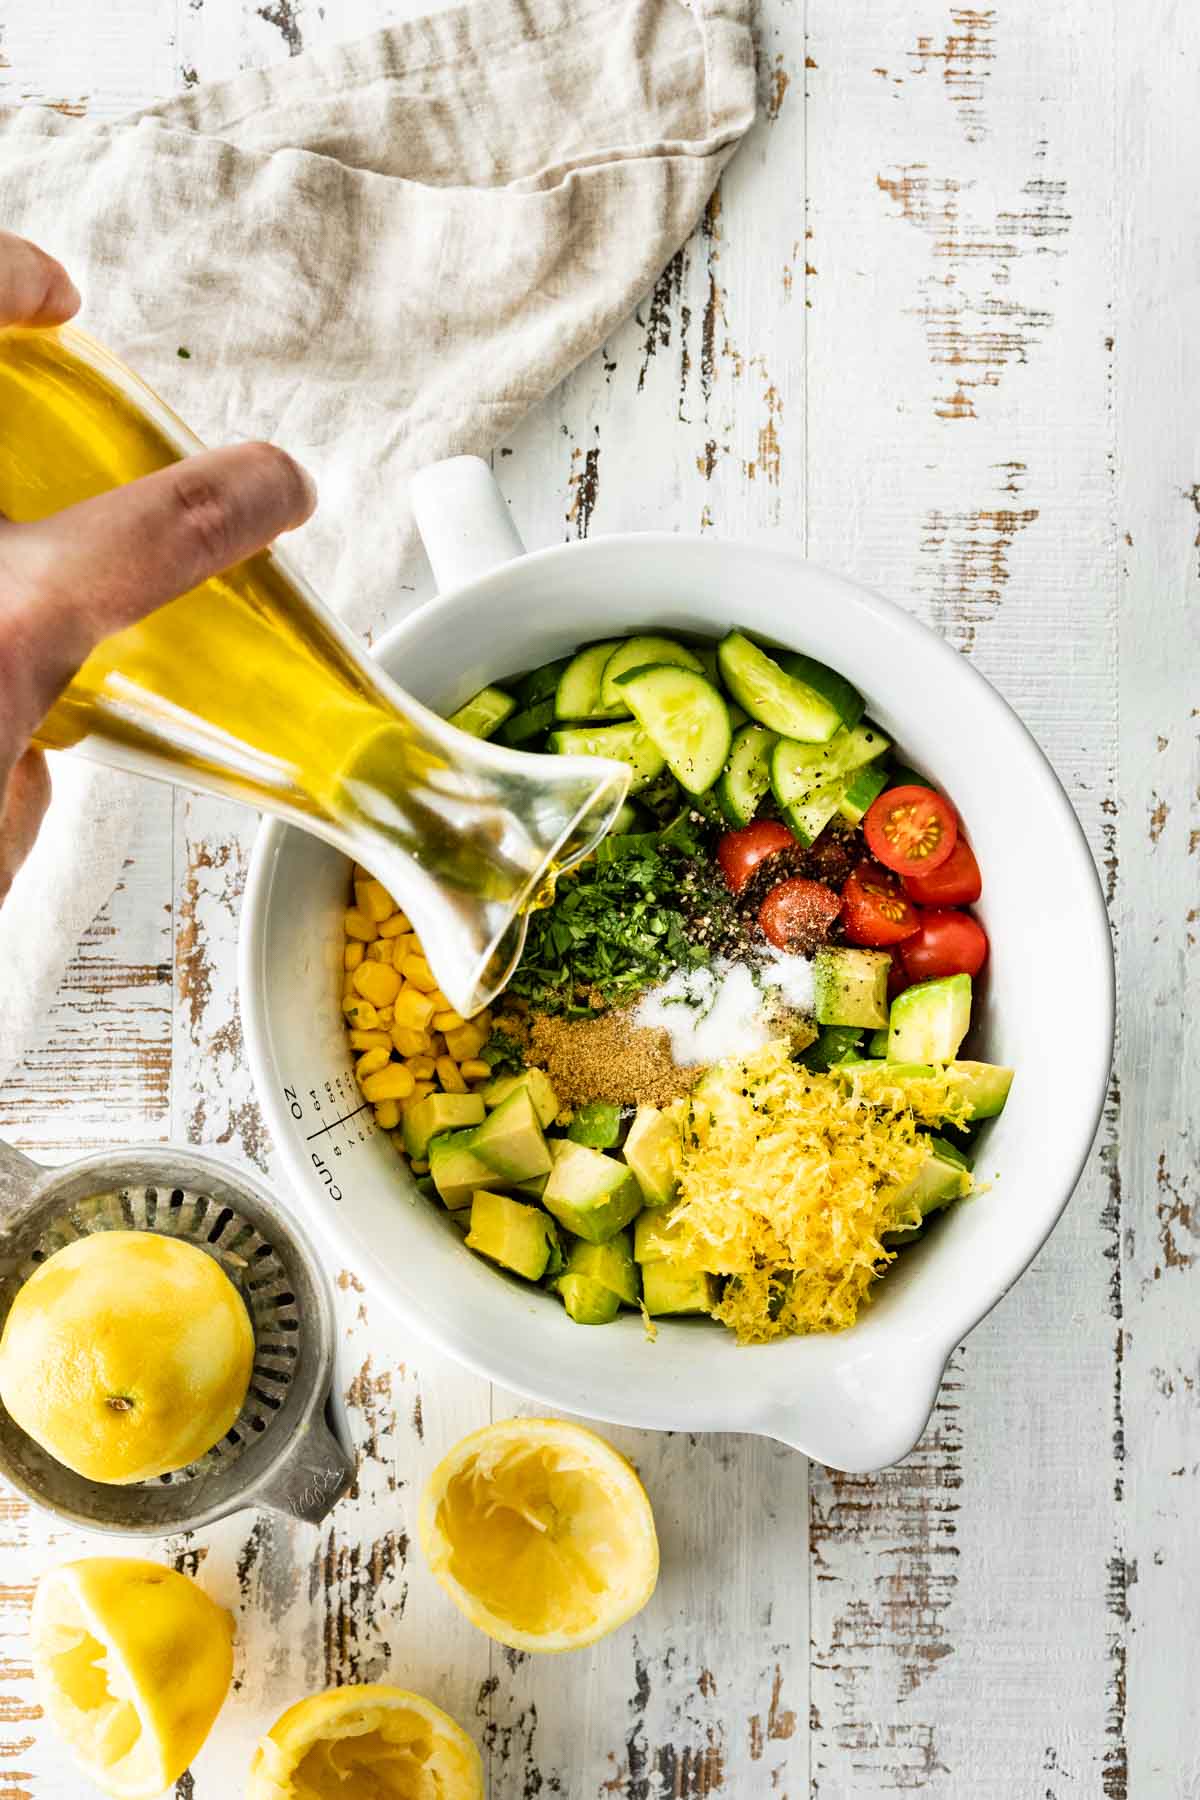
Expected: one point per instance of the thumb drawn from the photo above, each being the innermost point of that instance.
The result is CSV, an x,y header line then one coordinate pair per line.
x,y
85,573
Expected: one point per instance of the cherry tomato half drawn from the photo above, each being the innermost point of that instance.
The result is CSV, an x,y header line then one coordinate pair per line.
x,y
740,852
875,908
796,914
911,830
948,943
956,883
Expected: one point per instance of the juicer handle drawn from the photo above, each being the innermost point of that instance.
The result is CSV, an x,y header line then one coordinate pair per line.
x,y
18,1174
463,520
319,1470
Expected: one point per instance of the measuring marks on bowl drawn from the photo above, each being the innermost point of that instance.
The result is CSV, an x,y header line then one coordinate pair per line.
x,y
332,1120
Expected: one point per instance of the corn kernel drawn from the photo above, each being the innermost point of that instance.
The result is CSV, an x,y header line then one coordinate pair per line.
x,y
421,1091
466,1042
413,1008
359,925
370,1040
409,1042
371,1062
360,1012
398,925
418,971
352,955
447,1073
440,1002
475,1070
482,1019
448,1021
387,1115
421,1068
392,1083
437,1044
385,1016
377,983
419,1168
383,950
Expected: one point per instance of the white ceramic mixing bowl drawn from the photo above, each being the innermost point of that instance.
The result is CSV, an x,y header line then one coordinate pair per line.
x,y
855,1401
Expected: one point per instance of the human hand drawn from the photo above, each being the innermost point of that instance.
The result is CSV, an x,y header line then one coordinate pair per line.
x,y
76,577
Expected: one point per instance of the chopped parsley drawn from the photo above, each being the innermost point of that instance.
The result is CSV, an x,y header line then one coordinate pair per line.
x,y
503,1054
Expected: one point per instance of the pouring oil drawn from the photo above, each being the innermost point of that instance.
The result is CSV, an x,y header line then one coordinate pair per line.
x,y
248,686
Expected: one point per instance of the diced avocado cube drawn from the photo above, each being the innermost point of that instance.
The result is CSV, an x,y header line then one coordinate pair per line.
x,y
590,1193
455,1169
427,1118
588,1302
655,1239
929,1021
598,1125
988,1088
833,1043
502,1087
611,1263
508,1232
850,987
650,1152
511,1140
943,1177
536,1185
877,1043
677,1288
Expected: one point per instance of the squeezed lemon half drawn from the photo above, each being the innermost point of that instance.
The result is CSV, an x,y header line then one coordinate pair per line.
x,y
541,1533
365,1743
133,1662
126,1354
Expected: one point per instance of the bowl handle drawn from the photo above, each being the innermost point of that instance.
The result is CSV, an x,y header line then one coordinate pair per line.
x,y
871,1416
319,1469
463,520
17,1177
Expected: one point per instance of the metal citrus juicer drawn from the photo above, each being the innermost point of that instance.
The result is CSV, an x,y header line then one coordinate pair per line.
x,y
250,688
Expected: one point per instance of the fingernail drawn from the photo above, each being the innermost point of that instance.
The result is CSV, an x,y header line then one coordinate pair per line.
x,y
310,486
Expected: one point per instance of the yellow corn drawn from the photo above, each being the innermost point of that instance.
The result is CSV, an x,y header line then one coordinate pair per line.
x,y
360,1012
466,1042
377,983
413,1008
440,1002
418,971
397,926
475,1070
437,1044
419,1168
407,944
352,955
382,950
385,1016
421,1068
448,1021
409,1042
392,1083
421,1091
370,1040
372,898
447,1073
482,1019
359,925
372,1062
387,1115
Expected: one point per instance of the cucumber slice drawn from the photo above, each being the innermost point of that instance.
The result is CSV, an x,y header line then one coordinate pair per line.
x,y
626,743
523,726
627,820
685,717
808,816
859,792
747,774
578,692
841,694
798,768
769,694
484,712
540,684
637,653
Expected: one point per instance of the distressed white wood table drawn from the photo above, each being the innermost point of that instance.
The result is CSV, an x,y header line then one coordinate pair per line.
x,y
940,328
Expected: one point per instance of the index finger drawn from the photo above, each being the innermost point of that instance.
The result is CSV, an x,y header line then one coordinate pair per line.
x,y
34,289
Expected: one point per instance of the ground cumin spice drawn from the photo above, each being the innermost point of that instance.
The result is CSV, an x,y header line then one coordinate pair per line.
x,y
607,1058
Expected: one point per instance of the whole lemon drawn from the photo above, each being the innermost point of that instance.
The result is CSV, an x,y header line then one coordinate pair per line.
x,y
126,1355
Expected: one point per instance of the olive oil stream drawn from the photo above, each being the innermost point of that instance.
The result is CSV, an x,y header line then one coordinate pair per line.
x,y
248,686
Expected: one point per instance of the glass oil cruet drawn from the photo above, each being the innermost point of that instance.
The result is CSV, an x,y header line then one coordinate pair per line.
x,y
250,687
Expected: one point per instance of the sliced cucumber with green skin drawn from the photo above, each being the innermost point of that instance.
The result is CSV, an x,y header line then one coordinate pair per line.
x,y
808,817
541,683
639,653
523,726
578,693
841,694
484,712
747,774
685,716
627,819
770,695
797,768
860,792
626,742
